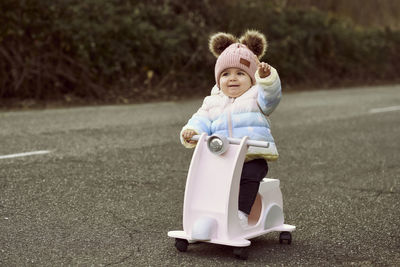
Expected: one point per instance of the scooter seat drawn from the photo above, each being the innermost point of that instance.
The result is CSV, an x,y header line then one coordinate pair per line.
x,y
269,184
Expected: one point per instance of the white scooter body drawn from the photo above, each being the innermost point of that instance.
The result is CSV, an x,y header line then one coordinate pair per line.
x,y
210,212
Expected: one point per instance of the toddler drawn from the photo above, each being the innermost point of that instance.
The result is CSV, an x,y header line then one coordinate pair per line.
x,y
246,91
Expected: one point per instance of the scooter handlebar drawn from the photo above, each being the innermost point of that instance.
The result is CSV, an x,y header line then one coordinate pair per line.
x,y
237,141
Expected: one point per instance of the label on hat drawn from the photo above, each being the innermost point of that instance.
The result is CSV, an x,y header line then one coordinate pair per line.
x,y
245,62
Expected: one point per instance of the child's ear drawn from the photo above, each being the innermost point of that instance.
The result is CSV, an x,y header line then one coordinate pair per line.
x,y
220,41
255,41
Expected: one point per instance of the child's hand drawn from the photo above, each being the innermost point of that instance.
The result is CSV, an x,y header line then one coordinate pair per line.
x,y
187,135
264,70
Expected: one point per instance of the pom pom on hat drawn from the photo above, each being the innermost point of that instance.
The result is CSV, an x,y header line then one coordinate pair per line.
x,y
220,41
255,41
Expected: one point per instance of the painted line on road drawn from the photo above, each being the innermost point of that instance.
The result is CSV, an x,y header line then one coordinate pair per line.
x,y
40,152
386,109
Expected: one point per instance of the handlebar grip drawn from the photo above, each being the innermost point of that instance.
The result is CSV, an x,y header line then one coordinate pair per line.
x,y
237,141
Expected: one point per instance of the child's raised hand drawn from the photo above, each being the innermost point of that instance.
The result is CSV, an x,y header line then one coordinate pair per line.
x,y
187,135
264,70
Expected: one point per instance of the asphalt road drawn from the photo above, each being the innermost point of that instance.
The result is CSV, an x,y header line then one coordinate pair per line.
x,y
112,185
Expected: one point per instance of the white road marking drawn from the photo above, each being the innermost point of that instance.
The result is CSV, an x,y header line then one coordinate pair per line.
x,y
24,154
386,109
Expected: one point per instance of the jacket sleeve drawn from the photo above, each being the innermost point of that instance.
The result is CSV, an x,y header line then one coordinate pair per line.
x,y
200,123
269,91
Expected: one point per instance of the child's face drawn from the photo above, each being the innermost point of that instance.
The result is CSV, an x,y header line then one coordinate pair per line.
x,y
234,82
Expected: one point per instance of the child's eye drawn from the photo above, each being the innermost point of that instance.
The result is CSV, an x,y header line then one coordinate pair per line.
x,y
240,73
225,74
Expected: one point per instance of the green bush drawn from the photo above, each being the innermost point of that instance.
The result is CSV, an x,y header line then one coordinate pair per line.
x,y
125,49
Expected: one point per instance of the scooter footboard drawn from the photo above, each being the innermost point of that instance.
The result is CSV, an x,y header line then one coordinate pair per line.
x,y
273,217
204,228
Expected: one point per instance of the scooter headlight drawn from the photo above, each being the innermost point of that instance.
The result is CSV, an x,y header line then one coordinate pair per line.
x,y
217,144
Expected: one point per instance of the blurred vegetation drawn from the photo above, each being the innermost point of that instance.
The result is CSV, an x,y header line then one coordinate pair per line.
x,y
119,51
369,13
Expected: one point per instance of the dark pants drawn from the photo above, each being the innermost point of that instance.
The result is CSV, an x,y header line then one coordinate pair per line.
x,y
252,174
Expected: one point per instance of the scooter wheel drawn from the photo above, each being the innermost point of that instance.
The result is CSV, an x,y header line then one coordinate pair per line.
x,y
181,244
241,253
285,236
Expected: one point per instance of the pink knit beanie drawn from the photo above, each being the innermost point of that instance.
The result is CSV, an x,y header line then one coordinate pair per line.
x,y
243,53
237,56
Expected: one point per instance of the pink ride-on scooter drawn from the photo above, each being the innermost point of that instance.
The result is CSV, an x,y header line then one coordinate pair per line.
x,y
210,210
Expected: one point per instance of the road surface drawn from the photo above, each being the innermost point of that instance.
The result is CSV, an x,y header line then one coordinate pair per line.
x,y
103,185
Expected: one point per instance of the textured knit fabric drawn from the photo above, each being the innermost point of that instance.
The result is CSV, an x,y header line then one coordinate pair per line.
x,y
236,56
241,116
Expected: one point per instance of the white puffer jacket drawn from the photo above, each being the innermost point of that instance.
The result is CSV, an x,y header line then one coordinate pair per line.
x,y
241,116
